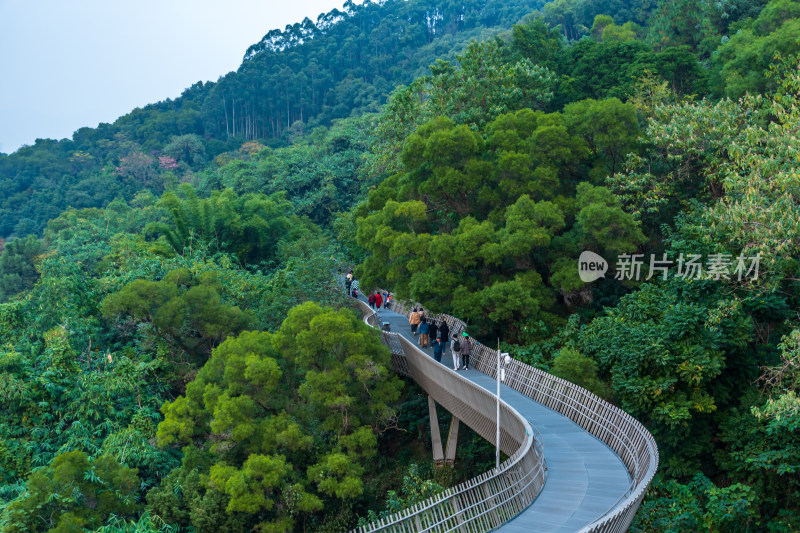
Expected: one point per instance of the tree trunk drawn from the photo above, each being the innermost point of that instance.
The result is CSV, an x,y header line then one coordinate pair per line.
x,y
225,107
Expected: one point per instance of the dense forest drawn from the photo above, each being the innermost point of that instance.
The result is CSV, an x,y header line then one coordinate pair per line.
x,y
293,80
176,354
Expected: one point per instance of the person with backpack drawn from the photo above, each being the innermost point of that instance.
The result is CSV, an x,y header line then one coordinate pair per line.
x,y
456,351
423,333
414,320
466,348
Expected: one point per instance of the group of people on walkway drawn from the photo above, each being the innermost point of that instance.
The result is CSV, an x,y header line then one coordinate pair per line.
x,y
436,334
432,333
351,285
379,299
376,299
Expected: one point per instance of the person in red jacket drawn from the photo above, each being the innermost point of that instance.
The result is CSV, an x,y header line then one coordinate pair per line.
x,y
378,300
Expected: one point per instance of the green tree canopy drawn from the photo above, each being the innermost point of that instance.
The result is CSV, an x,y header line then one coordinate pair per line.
x,y
72,493
188,149
485,83
467,226
665,355
186,308
17,270
250,226
741,62
292,413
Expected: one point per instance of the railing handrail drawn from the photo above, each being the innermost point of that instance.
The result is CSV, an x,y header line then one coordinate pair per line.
x,y
633,444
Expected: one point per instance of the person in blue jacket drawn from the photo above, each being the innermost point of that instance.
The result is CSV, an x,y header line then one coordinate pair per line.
x,y
423,333
438,348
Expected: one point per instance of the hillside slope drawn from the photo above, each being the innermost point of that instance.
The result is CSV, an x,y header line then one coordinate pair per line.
x,y
346,63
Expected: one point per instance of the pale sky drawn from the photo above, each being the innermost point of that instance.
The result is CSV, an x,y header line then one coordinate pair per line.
x,y
65,64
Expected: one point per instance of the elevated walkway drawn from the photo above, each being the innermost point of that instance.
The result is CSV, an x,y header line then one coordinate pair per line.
x,y
576,463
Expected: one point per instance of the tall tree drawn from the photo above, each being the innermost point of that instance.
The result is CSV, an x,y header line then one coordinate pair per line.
x,y
466,227
72,493
249,226
293,413
17,266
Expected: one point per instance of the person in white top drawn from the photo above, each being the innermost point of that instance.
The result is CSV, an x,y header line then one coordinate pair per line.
x,y
456,351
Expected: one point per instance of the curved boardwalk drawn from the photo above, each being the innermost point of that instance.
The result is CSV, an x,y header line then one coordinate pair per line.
x,y
585,477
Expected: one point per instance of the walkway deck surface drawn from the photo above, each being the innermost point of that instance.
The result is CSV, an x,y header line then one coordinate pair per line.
x,y
585,477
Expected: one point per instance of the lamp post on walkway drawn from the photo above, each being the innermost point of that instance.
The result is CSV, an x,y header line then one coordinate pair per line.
x,y
501,376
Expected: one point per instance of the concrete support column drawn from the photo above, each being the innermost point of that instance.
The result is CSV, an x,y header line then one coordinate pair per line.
x,y
436,436
452,442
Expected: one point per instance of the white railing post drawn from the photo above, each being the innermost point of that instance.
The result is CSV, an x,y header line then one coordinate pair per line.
x,y
497,418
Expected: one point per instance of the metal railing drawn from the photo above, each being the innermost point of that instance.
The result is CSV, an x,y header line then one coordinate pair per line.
x,y
490,499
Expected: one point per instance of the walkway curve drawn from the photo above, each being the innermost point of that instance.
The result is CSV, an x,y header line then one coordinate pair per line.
x,y
588,469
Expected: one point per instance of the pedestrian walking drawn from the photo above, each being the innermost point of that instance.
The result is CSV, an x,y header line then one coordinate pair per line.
x,y
378,300
444,333
433,330
348,281
354,288
466,348
371,300
423,333
438,349
414,319
456,351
